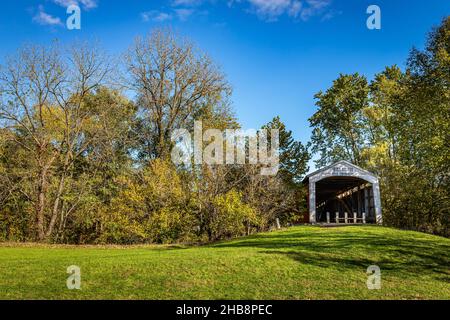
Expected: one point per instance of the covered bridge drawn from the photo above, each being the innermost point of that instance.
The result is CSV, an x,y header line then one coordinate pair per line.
x,y
343,193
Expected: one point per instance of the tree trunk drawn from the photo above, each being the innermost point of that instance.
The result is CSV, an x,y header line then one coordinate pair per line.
x,y
58,196
40,204
51,225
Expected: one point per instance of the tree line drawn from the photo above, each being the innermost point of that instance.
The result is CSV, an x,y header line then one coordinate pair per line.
x,y
85,149
398,126
85,144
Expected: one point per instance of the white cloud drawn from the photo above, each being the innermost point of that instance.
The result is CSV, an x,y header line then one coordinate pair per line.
x,y
189,3
180,13
315,7
155,16
271,10
44,18
267,10
87,4
330,15
183,14
295,9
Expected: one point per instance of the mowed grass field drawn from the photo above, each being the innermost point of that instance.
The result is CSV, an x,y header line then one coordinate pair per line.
x,y
305,262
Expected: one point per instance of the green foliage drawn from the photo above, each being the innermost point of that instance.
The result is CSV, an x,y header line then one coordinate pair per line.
x,y
231,217
149,208
402,125
84,164
338,128
293,155
422,126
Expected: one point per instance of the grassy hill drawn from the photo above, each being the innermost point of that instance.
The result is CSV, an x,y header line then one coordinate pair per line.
x,y
298,263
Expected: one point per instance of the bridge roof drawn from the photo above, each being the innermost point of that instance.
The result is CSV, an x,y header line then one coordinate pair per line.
x,y
341,168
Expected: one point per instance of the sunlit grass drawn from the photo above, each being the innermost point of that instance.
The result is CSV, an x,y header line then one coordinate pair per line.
x,y
298,263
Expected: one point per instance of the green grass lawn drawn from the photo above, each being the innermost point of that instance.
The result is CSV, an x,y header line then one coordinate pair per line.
x,y
298,263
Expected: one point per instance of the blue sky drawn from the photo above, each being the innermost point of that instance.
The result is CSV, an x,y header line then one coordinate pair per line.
x,y
276,53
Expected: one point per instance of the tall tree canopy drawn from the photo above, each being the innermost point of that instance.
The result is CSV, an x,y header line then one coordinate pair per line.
x,y
175,83
293,155
399,127
338,127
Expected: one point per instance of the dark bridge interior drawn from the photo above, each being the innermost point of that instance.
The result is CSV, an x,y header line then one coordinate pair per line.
x,y
344,194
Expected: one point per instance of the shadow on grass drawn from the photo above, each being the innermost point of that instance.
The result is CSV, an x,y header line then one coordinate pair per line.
x,y
390,249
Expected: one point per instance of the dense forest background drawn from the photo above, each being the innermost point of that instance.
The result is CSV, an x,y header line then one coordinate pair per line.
x,y
82,162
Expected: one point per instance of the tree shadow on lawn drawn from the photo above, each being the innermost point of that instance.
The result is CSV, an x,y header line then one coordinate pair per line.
x,y
343,262
343,250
